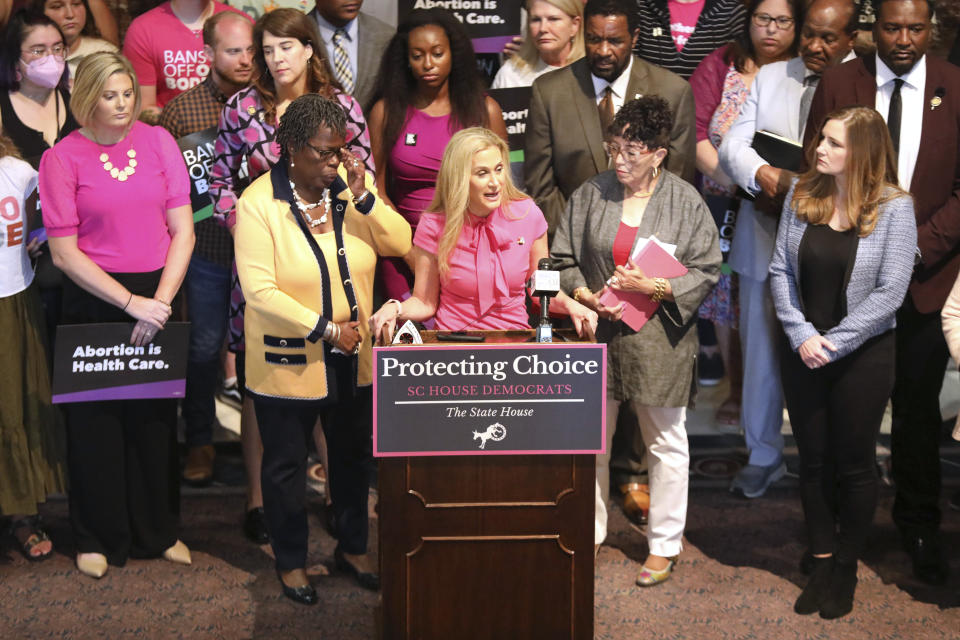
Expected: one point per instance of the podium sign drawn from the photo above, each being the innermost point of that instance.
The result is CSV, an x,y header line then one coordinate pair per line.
x,y
489,400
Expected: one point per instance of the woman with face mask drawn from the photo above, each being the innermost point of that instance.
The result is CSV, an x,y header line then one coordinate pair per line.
x,y
34,103
35,115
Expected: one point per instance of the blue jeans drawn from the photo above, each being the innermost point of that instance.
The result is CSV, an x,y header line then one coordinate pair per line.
x,y
208,300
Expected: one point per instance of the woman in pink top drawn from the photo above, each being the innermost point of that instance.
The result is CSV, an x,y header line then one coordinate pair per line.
x,y
429,89
476,245
116,205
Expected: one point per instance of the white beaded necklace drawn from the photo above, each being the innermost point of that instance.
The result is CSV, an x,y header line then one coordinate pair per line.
x,y
305,207
116,173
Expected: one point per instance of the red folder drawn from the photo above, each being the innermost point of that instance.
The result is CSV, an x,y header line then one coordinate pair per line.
x,y
655,263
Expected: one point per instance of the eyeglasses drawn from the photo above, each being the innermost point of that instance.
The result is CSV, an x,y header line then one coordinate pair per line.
x,y
325,154
764,19
57,50
631,155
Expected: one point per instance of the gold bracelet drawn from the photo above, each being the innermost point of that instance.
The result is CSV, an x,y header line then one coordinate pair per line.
x,y
578,292
659,289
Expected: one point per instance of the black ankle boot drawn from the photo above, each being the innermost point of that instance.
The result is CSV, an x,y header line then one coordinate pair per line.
x,y
839,598
814,593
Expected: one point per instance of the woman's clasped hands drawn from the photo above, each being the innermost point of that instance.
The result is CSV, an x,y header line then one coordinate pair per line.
x,y
813,353
151,315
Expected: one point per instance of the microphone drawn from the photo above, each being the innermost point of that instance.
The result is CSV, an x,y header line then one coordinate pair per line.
x,y
545,284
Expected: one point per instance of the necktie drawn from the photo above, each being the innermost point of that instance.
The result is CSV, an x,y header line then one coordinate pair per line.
x,y
341,61
605,107
809,88
894,115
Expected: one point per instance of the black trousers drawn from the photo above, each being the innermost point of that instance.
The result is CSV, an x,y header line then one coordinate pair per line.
x,y
835,413
286,431
121,454
915,433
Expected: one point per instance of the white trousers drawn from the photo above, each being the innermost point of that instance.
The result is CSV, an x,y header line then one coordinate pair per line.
x,y
668,456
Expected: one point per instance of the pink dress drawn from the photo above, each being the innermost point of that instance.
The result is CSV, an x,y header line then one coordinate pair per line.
x,y
413,166
484,288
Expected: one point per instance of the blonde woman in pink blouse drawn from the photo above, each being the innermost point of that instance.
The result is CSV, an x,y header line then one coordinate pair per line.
x,y
475,247
116,205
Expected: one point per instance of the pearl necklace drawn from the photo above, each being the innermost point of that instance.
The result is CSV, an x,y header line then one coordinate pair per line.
x,y
306,206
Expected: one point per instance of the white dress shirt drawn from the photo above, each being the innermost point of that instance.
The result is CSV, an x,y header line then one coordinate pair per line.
x,y
327,31
618,86
911,121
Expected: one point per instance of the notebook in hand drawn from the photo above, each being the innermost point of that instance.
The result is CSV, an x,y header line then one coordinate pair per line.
x,y
656,262
780,152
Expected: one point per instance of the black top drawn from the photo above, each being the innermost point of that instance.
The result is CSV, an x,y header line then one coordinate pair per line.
x,y
825,260
29,141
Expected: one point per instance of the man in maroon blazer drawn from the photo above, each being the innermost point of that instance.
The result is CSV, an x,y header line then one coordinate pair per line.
x,y
919,97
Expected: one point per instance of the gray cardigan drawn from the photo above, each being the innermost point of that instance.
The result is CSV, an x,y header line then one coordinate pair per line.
x,y
655,365
878,282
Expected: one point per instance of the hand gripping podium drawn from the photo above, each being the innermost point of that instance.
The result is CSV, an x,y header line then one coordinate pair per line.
x,y
486,486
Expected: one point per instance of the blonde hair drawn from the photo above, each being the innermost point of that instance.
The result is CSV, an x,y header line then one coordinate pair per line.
x,y
453,185
870,172
528,55
92,74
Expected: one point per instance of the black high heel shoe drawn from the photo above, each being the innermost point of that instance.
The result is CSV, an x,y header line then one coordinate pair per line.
x,y
365,579
305,594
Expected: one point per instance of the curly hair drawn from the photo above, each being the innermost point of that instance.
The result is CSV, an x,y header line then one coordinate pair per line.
x,y
305,117
741,48
21,24
397,87
647,120
291,23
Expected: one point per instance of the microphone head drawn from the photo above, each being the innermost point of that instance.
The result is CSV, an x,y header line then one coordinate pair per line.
x,y
545,264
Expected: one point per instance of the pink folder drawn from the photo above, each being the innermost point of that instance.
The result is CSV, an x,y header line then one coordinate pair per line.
x,y
655,263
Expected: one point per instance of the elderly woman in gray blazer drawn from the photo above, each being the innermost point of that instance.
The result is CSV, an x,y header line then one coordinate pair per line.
x,y
651,368
841,266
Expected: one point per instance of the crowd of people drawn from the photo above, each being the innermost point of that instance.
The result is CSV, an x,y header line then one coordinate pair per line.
x,y
362,178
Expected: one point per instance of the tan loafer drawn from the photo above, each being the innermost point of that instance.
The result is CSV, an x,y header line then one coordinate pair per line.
x,y
198,470
178,553
92,564
636,500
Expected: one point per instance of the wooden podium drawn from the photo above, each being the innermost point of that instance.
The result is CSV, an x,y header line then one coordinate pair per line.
x,y
487,546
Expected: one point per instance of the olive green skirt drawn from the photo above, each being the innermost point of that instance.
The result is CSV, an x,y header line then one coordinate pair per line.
x,y
32,460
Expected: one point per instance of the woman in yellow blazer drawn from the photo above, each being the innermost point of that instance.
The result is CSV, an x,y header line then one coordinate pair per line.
x,y
307,240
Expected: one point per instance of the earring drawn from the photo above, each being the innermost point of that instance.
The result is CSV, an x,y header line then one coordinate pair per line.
x,y
292,165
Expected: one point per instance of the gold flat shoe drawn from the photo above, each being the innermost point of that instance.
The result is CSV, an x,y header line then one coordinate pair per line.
x,y
649,577
178,553
92,564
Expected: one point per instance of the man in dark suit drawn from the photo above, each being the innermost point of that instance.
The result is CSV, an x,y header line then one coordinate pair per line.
x,y
355,44
564,137
919,96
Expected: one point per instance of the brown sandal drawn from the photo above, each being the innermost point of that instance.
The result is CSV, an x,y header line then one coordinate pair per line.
x,y
36,536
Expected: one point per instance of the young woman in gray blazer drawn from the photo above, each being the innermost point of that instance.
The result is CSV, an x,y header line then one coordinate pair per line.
x,y
840,270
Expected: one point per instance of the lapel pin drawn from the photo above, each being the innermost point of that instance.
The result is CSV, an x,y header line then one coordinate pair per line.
x,y
520,240
937,98
410,140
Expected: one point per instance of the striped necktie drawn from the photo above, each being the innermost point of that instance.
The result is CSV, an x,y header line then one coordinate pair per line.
x,y
341,61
